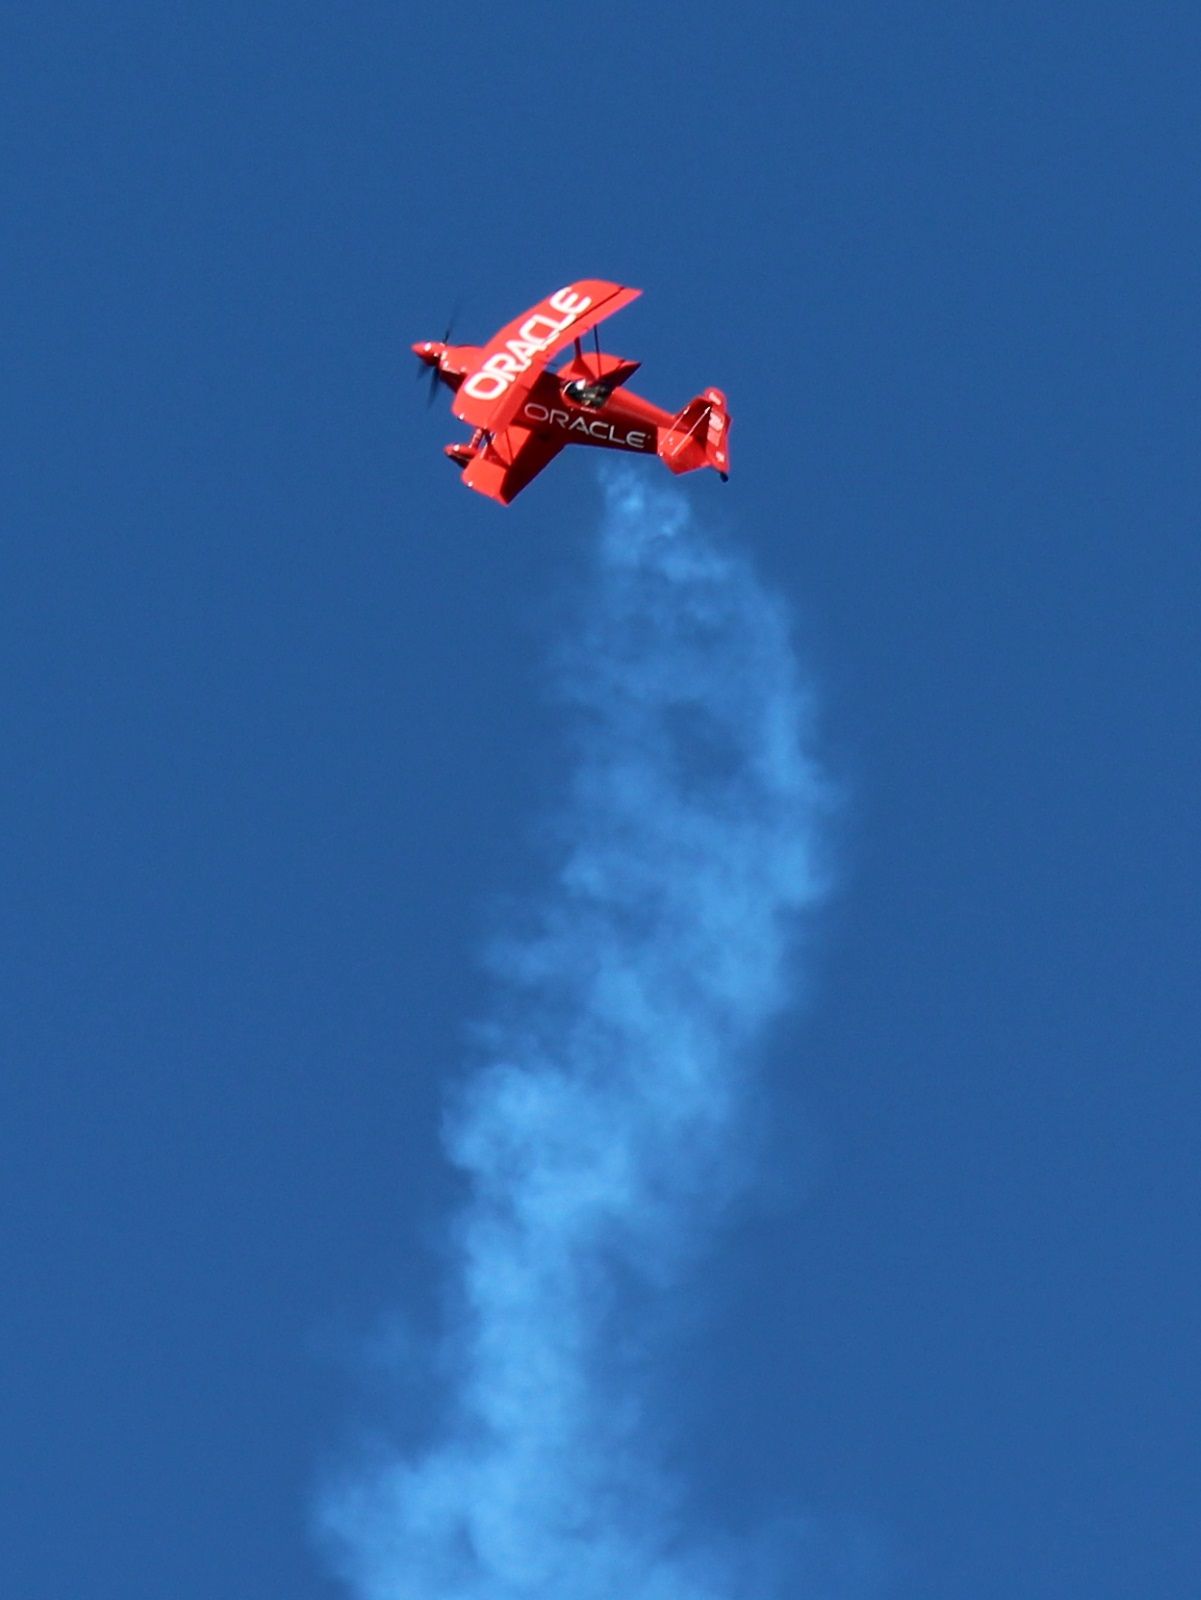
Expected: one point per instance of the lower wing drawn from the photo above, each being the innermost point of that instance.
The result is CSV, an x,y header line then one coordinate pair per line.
x,y
502,467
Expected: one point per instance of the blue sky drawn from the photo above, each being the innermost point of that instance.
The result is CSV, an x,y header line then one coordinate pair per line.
x,y
278,738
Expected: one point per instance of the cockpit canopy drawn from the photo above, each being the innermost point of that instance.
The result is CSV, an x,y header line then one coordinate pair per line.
x,y
583,393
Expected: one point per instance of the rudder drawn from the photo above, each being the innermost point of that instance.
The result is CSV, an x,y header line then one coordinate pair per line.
x,y
699,436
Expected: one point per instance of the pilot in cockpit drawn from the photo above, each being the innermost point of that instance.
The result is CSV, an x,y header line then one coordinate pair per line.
x,y
592,395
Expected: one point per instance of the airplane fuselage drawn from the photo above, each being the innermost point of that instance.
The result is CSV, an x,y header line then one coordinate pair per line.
x,y
624,421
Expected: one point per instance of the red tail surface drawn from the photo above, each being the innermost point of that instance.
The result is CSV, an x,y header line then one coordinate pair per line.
x,y
699,436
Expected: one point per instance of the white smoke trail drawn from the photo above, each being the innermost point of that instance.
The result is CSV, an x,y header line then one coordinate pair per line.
x,y
602,1130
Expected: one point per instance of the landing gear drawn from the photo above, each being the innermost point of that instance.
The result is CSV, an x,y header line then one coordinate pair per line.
x,y
464,454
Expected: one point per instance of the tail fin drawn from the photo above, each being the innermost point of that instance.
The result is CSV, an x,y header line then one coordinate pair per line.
x,y
699,436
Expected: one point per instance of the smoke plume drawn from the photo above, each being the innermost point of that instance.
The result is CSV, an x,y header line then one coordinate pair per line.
x,y
604,1127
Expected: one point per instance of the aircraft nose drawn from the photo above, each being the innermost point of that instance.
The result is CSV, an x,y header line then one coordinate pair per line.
x,y
428,350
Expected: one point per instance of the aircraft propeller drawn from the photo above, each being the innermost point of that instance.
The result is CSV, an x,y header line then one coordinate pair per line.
x,y
432,367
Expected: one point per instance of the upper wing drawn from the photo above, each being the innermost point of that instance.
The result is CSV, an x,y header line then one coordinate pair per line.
x,y
508,462
510,362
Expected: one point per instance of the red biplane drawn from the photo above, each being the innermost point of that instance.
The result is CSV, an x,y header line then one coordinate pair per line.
x,y
523,414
